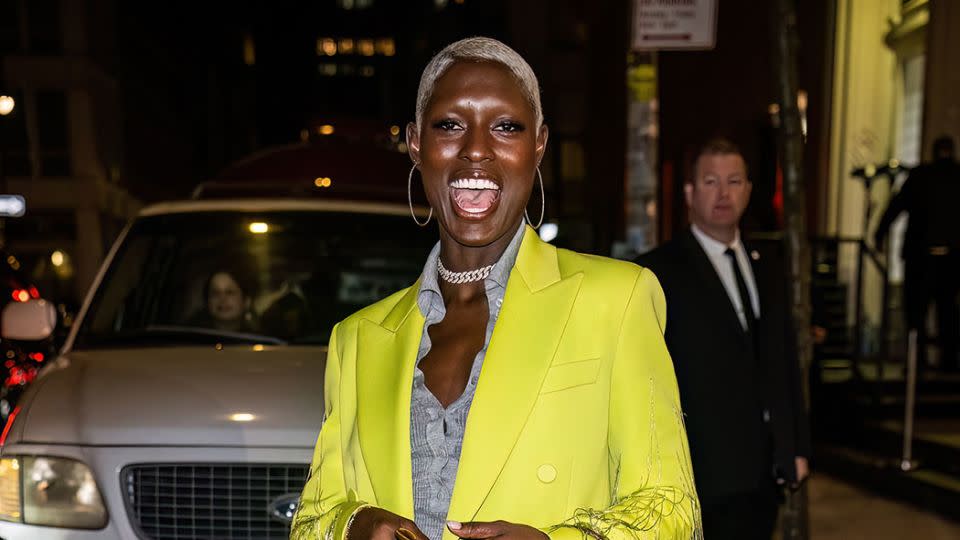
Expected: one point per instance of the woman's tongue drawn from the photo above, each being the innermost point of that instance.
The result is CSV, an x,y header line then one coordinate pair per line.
x,y
475,201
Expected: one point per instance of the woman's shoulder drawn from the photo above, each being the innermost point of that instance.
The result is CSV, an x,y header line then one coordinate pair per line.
x,y
600,269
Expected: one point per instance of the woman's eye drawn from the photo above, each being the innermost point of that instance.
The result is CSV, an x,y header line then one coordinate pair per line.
x,y
447,125
509,127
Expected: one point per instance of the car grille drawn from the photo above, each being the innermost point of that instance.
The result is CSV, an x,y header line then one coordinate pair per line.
x,y
209,501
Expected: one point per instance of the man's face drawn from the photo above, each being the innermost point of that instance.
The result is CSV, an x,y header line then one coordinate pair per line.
x,y
719,194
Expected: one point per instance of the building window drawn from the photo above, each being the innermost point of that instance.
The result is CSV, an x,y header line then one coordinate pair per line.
x,y
9,26
53,136
249,50
14,144
44,28
354,4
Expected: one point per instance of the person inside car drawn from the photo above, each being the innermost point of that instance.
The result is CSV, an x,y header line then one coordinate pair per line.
x,y
228,298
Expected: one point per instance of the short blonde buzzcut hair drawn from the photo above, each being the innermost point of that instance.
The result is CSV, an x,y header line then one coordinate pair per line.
x,y
479,49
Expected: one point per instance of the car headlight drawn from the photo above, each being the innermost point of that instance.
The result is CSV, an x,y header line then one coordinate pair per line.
x,y
51,491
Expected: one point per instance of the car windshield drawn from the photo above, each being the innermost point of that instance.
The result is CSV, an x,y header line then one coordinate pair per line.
x,y
240,277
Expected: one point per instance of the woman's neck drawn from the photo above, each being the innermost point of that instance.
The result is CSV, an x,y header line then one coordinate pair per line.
x,y
457,257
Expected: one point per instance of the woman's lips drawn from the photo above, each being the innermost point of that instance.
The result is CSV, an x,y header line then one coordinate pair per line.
x,y
474,198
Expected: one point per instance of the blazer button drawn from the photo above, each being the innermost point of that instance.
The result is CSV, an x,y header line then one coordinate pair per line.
x,y
547,473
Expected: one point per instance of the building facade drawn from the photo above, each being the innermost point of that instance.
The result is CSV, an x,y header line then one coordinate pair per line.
x,y
63,143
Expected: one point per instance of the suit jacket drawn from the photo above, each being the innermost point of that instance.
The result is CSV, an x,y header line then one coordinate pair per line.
x,y
575,424
745,415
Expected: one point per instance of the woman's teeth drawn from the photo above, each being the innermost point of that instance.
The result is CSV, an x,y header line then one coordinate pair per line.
x,y
474,183
474,195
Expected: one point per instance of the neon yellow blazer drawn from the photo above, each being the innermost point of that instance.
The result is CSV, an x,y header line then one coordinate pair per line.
x,y
575,427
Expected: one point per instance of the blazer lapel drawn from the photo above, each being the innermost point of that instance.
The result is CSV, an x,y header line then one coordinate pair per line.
x,y
535,310
710,277
386,357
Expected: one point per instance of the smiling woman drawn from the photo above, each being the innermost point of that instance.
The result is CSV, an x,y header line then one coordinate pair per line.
x,y
515,390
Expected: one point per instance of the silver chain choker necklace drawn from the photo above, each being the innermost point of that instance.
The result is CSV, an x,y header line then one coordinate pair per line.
x,y
458,278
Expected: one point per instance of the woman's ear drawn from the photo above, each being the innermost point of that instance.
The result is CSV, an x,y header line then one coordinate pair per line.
x,y
413,142
542,137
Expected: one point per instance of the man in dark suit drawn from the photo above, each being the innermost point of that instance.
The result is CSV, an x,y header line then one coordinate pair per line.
x,y
931,248
733,347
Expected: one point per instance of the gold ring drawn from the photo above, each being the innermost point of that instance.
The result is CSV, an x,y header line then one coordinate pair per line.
x,y
404,534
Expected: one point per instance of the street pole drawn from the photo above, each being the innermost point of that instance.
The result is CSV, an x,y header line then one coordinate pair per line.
x,y
783,39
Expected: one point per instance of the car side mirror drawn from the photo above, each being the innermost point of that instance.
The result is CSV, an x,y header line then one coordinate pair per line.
x,y
32,320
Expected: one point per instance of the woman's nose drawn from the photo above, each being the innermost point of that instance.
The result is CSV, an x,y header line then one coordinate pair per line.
x,y
476,146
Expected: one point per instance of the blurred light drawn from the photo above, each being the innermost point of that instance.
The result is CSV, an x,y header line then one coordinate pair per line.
x,y
366,71
325,129
249,50
57,258
394,130
259,227
802,106
323,182
870,171
894,163
773,108
7,104
386,46
258,347
549,231
326,46
328,70
20,295
242,417
366,47
346,46
304,135
651,209
12,205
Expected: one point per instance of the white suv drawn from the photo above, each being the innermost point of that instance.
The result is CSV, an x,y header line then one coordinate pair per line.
x,y
187,400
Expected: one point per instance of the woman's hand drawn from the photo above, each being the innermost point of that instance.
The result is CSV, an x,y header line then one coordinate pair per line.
x,y
495,529
373,523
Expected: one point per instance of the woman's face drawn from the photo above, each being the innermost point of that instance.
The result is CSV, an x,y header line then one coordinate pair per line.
x,y
225,300
478,149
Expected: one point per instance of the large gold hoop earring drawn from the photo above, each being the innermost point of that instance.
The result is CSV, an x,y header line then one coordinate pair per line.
x,y
543,203
410,199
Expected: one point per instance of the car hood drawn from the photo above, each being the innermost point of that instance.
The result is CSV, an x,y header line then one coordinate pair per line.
x,y
249,395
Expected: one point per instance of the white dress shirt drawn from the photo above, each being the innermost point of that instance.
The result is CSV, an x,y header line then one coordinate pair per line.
x,y
716,252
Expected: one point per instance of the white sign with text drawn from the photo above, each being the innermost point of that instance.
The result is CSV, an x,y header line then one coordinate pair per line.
x,y
674,24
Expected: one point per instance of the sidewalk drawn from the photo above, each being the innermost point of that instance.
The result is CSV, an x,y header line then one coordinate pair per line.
x,y
839,511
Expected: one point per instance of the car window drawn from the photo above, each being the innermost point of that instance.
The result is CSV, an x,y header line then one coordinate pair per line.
x,y
278,277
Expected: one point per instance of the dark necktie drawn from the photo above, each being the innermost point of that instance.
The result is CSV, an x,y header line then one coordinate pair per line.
x,y
742,287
